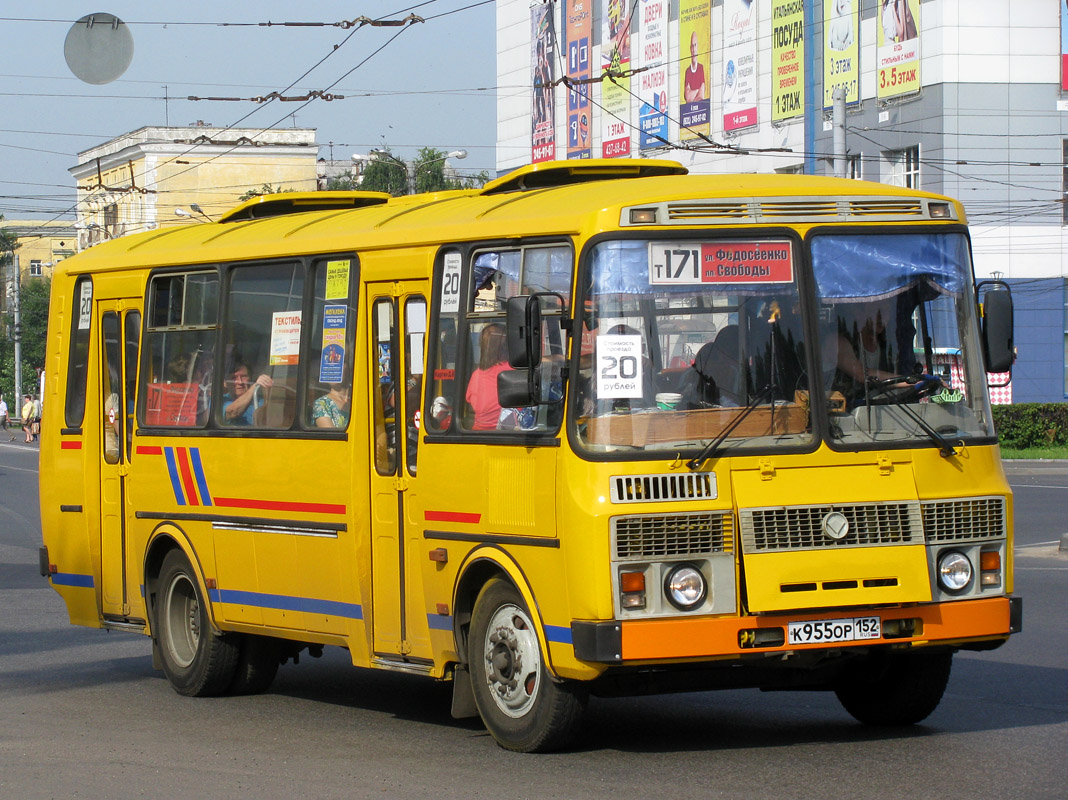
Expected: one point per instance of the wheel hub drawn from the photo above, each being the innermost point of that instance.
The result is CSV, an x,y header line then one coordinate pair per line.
x,y
513,661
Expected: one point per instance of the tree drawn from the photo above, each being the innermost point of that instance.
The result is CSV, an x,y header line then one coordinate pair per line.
x,y
33,328
265,189
387,173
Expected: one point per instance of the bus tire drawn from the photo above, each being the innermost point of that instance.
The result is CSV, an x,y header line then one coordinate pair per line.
x,y
198,661
257,664
520,704
896,689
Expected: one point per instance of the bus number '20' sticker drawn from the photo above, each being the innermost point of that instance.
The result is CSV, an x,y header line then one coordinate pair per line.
x,y
688,263
450,284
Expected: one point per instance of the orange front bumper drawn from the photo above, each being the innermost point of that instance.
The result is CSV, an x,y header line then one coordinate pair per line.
x,y
648,640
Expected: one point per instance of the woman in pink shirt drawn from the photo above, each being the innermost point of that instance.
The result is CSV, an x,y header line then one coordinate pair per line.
x,y
482,388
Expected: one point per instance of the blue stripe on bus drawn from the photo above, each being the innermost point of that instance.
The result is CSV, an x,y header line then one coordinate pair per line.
x,y
282,602
198,470
558,634
176,484
72,579
438,622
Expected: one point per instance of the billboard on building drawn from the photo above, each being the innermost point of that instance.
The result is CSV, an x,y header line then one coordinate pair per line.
x,y
898,48
841,50
653,79
787,59
542,58
1064,45
615,90
579,30
739,64
695,47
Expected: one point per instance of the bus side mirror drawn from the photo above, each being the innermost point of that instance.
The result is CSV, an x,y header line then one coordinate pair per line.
x,y
524,331
518,388
997,325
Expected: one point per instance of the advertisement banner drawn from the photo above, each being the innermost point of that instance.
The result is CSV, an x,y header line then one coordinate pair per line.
x,y
542,58
332,358
739,65
653,81
615,92
841,50
579,33
1064,45
898,48
787,59
695,38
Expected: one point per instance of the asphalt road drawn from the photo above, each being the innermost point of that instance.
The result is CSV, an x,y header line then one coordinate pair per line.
x,y
82,713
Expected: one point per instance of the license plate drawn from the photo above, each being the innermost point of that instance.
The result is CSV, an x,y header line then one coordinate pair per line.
x,y
823,631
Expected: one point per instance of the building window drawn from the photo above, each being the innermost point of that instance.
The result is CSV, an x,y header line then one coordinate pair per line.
x,y
35,268
854,167
904,167
793,169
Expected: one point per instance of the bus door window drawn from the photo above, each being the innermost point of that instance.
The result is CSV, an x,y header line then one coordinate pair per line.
x,y
414,345
113,387
78,360
132,335
383,388
262,355
177,369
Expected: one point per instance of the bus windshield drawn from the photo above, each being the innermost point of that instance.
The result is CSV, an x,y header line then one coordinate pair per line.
x,y
680,337
899,343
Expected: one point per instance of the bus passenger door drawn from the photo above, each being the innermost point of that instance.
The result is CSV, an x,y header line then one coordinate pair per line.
x,y
397,340
120,331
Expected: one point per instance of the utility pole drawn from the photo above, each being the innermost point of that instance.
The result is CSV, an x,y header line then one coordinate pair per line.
x,y
16,296
838,115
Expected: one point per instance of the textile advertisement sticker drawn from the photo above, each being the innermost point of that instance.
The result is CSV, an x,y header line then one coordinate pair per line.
x,y
285,338
619,366
332,360
450,284
337,280
85,306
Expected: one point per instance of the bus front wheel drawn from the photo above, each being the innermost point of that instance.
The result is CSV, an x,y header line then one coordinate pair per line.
x,y
895,689
524,709
198,661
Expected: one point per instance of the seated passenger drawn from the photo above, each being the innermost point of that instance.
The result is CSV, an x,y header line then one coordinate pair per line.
x,y
714,378
332,409
240,401
482,387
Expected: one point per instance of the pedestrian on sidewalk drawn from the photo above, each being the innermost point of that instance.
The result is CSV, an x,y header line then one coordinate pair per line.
x,y
27,415
4,420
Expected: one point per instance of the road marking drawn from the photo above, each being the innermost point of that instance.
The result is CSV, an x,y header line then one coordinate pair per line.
x,y
1037,544
1034,486
19,469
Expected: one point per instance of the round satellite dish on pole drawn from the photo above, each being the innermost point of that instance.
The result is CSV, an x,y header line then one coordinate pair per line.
x,y
98,48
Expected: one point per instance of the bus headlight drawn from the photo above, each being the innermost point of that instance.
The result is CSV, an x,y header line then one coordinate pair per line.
x,y
954,571
685,587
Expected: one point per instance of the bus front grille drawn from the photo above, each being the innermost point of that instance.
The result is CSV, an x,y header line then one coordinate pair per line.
x,y
655,536
806,528
663,488
964,519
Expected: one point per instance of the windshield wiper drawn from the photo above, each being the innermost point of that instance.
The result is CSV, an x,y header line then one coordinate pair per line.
x,y
710,449
920,385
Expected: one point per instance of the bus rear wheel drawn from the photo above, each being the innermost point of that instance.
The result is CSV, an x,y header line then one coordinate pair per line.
x,y
198,661
524,709
895,689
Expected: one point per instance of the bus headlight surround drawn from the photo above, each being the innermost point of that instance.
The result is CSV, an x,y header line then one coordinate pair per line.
x,y
954,571
685,587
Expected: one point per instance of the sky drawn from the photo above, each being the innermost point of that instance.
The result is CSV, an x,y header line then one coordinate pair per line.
x,y
431,85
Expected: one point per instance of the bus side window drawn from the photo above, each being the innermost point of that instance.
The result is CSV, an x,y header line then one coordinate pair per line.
x,y
177,366
328,367
78,361
262,346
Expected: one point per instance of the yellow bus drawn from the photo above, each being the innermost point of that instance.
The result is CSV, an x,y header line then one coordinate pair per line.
x,y
597,428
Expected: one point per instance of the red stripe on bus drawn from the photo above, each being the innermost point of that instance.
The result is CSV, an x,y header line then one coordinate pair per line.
x,y
149,450
451,516
280,505
187,476
70,445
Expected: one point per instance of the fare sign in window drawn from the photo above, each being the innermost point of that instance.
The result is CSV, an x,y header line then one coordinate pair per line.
x,y
689,263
